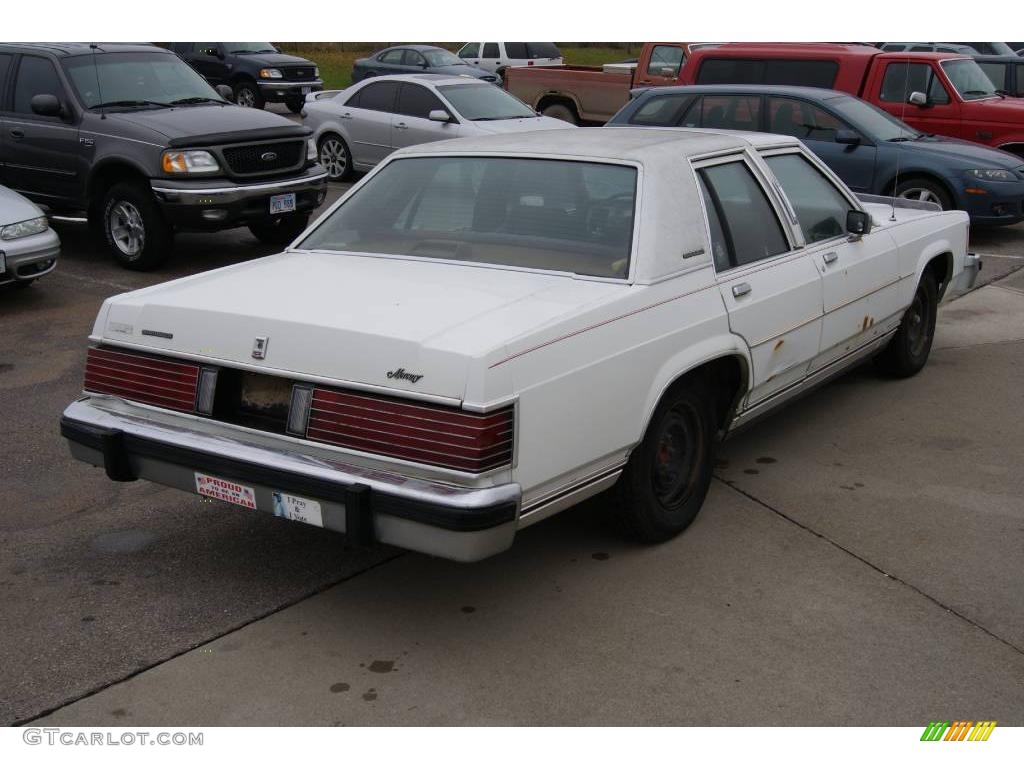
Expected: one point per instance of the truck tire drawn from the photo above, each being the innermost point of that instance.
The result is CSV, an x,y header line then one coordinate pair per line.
x,y
664,484
907,351
335,157
295,104
925,190
280,231
247,94
561,111
133,227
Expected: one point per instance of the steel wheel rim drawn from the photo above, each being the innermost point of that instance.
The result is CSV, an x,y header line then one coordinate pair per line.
x,y
677,457
922,195
333,158
127,230
245,97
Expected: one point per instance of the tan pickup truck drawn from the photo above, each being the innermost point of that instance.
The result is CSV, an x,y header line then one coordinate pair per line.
x,y
591,95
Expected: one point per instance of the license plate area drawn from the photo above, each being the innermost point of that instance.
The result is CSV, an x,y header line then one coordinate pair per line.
x,y
253,400
282,203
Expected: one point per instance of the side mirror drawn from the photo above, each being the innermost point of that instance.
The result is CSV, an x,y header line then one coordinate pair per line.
x,y
846,136
439,116
668,72
47,105
226,92
858,224
918,99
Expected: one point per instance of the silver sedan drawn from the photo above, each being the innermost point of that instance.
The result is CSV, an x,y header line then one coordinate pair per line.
x,y
358,127
28,247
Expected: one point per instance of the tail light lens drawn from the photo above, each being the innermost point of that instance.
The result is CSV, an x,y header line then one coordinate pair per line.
x,y
428,434
143,378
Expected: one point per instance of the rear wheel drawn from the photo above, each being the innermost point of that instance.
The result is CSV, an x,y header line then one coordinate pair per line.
x,y
280,231
908,351
295,104
247,94
924,190
335,157
134,229
664,484
561,111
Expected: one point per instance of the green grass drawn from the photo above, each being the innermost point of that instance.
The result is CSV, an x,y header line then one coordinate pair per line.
x,y
335,59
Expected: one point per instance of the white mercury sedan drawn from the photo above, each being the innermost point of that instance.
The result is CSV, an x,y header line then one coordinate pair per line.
x,y
356,128
486,331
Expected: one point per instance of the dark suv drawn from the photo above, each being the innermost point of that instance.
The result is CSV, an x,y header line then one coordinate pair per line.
x,y
255,72
134,138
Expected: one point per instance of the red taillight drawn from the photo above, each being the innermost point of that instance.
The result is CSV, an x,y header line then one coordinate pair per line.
x,y
144,378
429,434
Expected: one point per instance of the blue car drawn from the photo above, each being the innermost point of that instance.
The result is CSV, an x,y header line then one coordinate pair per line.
x,y
867,148
416,59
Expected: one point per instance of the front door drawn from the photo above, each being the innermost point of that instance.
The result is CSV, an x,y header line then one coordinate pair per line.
x,y
209,59
771,289
411,124
941,113
661,67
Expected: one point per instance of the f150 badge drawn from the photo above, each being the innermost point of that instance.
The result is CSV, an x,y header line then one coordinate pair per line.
x,y
259,347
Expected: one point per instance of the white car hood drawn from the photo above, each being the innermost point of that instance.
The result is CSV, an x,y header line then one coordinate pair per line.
x,y
351,318
15,208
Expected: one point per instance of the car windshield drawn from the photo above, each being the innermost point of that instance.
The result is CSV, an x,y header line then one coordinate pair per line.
x,y
874,122
969,79
558,215
250,48
440,58
137,80
482,101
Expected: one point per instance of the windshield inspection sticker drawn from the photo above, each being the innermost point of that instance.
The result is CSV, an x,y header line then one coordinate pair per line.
x,y
295,508
225,490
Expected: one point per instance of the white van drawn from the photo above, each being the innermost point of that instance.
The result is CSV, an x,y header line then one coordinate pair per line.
x,y
495,57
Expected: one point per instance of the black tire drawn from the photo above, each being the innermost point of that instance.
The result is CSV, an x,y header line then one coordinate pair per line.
x,y
295,104
664,484
334,156
907,351
133,228
247,94
924,189
561,111
280,231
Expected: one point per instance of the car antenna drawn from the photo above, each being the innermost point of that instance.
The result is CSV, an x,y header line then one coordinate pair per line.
x,y
899,145
96,74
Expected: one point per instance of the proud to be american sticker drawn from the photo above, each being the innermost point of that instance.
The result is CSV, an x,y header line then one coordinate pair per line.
x,y
225,490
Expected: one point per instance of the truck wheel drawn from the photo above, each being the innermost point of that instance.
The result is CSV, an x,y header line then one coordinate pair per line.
x,y
924,190
560,111
133,227
280,231
664,484
335,157
908,350
247,94
295,104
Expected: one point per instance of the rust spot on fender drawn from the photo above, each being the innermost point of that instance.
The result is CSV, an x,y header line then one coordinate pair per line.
x,y
778,345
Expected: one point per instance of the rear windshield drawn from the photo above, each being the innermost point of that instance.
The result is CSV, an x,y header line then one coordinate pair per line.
x,y
558,215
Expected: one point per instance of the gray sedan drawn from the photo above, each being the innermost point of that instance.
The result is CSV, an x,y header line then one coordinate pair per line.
x,y
417,59
28,247
356,128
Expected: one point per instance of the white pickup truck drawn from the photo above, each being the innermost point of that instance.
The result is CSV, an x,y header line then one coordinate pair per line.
x,y
485,331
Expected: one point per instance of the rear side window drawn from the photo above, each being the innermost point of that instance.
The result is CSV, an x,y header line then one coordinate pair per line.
x,y
996,72
903,78
663,58
750,228
820,207
662,110
1020,79
490,51
417,101
719,245
379,97
36,75
737,113
516,51
816,74
5,67
723,71
543,51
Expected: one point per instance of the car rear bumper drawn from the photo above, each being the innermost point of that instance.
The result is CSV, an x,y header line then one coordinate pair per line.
x,y
29,257
219,204
458,523
281,90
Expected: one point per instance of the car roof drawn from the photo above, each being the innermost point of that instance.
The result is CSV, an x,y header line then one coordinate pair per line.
x,y
428,77
76,49
777,90
641,145
416,47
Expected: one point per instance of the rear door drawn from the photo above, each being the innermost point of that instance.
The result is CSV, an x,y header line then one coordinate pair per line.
x,y
372,109
411,124
770,287
661,66
490,57
859,277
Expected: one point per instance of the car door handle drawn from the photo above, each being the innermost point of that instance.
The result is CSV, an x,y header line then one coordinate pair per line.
x,y
346,116
401,126
741,290
830,258
17,133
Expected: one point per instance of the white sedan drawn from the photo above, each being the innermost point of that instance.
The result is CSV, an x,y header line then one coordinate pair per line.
x,y
356,128
486,331
28,247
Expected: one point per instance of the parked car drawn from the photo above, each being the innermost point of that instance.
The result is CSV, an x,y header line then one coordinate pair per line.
x,y
1005,72
497,57
257,73
941,93
418,59
591,95
869,149
488,330
135,139
28,247
356,128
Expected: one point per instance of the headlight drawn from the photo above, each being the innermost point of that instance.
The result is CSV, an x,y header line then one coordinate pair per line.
x,y
991,174
311,153
271,74
189,161
24,229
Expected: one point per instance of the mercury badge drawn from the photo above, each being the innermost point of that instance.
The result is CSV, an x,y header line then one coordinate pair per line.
x,y
259,347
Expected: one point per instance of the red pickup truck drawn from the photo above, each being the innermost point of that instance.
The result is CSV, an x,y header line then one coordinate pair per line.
x,y
941,93
591,95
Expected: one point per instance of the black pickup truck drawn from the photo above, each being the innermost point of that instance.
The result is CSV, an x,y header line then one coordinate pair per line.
x,y
138,141
257,73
